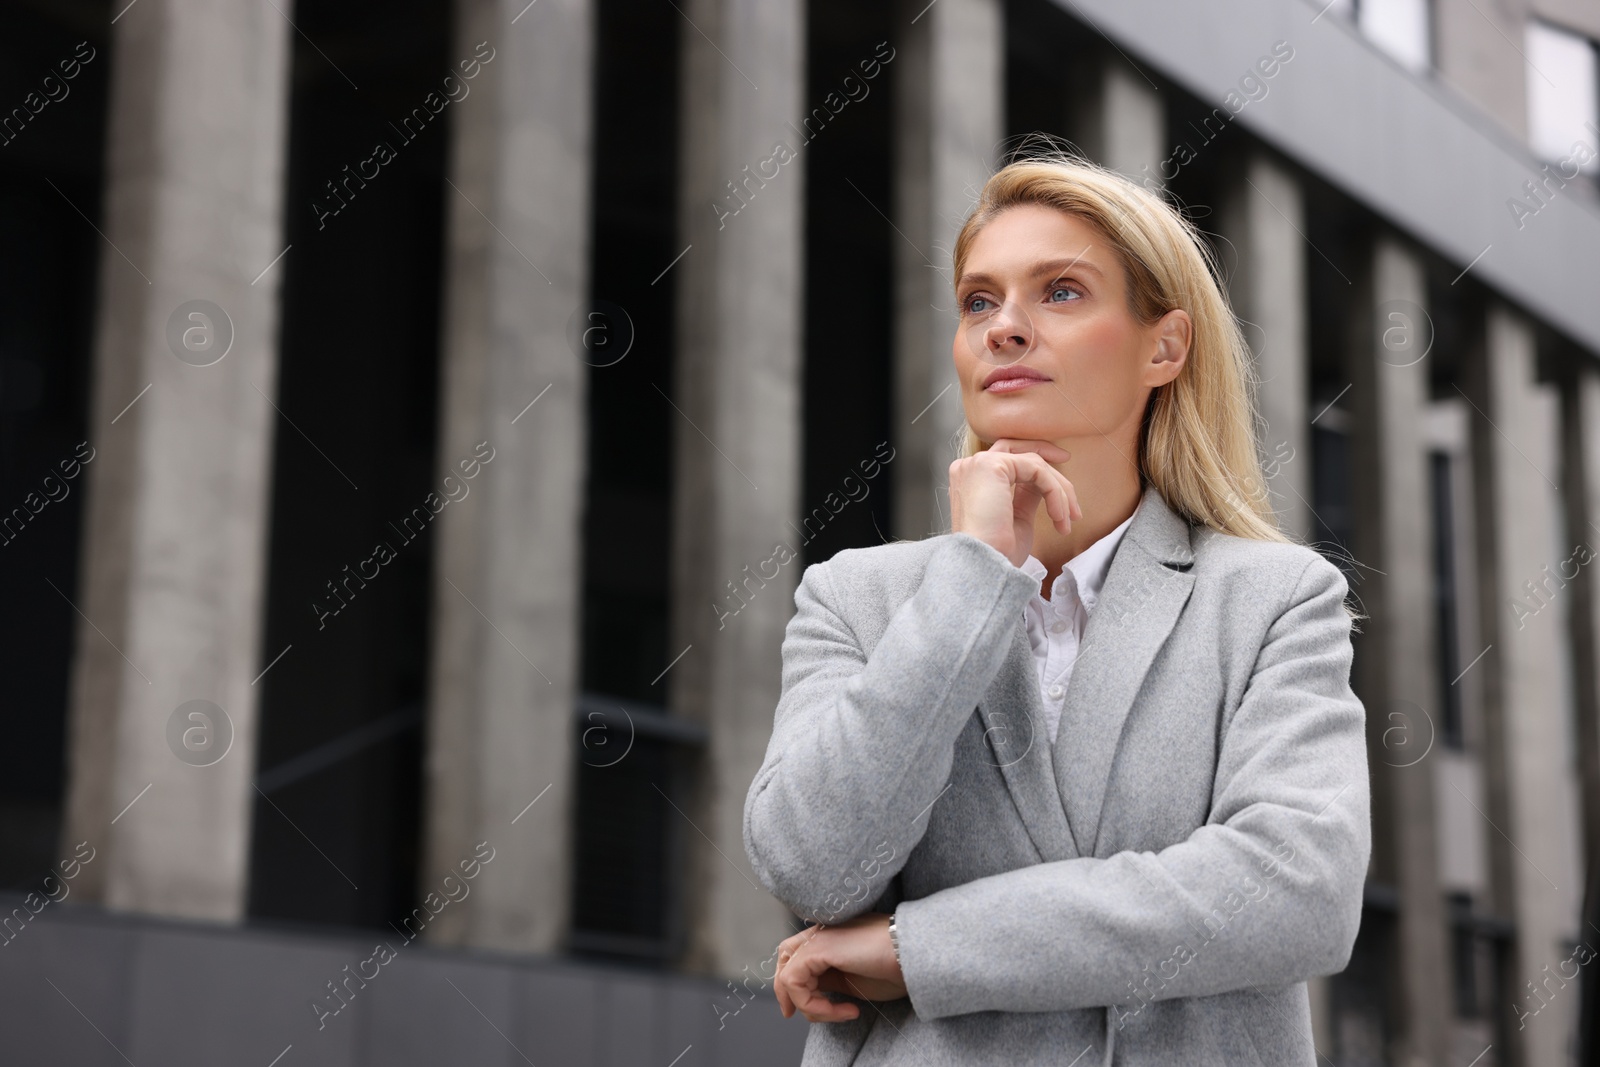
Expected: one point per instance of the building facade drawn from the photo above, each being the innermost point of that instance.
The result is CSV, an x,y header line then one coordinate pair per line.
x,y
415,419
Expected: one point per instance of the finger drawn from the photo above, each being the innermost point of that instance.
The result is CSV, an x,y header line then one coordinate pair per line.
x,y
843,1014
1069,493
1060,498
828,1011
807,971
956,513
1045,454
780,989
791,944
783,979
1049,450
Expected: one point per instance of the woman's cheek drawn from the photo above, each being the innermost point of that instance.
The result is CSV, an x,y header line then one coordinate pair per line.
x,y
1104,379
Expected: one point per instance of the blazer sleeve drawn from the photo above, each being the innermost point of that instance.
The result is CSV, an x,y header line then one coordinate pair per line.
x,y
862,745
1266,893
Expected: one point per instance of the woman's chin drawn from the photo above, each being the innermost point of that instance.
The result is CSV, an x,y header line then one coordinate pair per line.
x,y
1018,430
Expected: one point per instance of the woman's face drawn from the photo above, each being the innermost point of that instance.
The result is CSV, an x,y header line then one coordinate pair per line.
x,y
1043,295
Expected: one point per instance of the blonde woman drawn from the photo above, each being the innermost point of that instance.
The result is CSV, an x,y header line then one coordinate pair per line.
x,y
1083,779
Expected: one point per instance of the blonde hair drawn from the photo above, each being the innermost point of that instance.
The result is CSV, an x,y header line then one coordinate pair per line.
x,y
1197,444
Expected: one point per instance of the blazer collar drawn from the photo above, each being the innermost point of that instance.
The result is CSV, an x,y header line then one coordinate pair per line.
x,y
1060,789
1163,532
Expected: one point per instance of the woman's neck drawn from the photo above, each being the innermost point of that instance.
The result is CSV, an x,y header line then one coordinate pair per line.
x,y
1108,491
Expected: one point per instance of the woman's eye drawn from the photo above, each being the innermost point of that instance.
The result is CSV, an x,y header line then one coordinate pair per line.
x,y
973,305
1064,294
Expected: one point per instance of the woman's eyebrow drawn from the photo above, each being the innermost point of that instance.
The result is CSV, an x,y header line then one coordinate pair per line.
x,y
1040,269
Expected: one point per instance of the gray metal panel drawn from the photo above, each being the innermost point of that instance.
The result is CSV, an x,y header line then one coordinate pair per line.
x,y
63,987
197,997
757,1034
436,1008
688,1026
181,993
559,1016
632,1033
1411,150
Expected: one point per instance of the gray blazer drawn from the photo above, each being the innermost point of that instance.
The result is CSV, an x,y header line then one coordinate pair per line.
x,y
1156,886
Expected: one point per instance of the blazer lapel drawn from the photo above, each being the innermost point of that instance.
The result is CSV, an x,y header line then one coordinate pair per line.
x,y
1145,590
1015,740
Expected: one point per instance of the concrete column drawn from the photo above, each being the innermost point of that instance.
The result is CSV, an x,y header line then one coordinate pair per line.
x,y
1263,219
1580,447
1532,794
737,391
949,124
507,573
174,541
1121,120
1389,368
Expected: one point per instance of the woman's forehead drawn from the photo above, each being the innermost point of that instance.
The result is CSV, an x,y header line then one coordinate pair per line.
x,y
1032,239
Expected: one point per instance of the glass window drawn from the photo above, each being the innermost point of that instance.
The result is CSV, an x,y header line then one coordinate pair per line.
x,y
1563,96
1402,28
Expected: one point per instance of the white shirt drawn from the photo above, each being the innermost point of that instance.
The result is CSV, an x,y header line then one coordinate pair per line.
x,y
1055,626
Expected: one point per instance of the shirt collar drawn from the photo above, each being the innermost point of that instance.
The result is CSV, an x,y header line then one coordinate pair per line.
x,y
1089,567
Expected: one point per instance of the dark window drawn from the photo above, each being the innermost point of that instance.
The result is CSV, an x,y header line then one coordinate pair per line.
x,y
340,744
635,764
849,281
1445,597
627,846
1480,960
50,170
1362,996
1333,519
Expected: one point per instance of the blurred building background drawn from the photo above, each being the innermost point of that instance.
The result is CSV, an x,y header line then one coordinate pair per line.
x,y
415,418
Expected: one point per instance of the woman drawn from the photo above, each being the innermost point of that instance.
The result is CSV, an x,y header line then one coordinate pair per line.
x,y
1083,778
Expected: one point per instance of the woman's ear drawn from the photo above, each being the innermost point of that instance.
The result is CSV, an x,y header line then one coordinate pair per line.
x,y
1174,333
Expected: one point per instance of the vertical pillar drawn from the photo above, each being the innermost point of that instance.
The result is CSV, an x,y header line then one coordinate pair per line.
x,y
1389,368
949,122
1121,120
1530,788
170,598
506,583
1580,448
737,388
1263,219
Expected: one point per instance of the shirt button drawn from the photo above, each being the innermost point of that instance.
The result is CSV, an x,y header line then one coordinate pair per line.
x,y
1055,692
1058,627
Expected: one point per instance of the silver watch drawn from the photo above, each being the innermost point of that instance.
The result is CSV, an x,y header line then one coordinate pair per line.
x,y
894,938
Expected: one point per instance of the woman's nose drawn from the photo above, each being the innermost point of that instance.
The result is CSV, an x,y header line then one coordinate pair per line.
x,y
1009,334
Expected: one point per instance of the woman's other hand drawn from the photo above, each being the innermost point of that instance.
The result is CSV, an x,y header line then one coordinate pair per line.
x,y
855,957
995,494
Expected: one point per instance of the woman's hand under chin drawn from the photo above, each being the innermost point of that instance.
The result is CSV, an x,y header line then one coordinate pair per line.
x,y
855,958
995,494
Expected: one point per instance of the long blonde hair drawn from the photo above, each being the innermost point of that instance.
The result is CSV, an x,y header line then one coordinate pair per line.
x,y
1197,444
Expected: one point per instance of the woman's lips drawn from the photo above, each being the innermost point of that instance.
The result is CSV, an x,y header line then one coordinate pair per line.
x,y
1012,385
